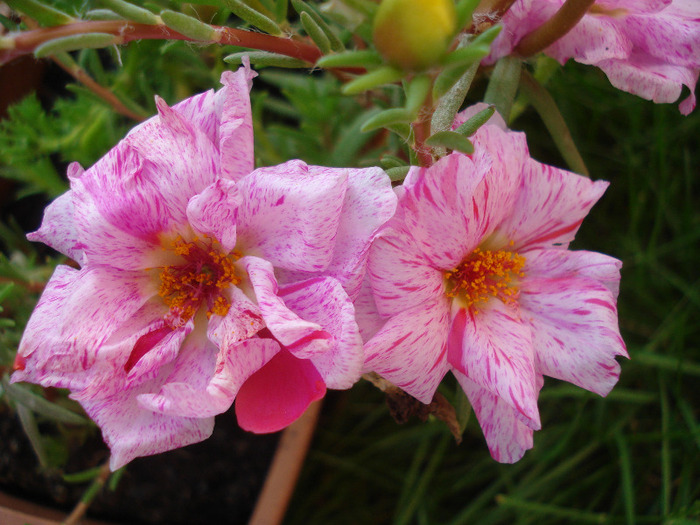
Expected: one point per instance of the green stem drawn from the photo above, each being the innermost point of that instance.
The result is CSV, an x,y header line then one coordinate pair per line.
x,y
553,29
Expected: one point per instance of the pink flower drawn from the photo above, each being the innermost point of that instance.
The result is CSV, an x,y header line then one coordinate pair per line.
x,y
473,275
201,279
650,48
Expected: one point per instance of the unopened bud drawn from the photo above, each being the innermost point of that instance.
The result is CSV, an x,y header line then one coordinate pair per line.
x,y
414,34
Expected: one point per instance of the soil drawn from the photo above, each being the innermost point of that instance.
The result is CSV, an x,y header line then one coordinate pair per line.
x,y
216,481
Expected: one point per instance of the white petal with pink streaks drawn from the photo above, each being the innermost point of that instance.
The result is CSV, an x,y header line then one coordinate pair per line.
x,y
77,313
291,213
309,338
400,276
325,302
550,208
493,348
58,228
410,349
574,329
213,212
556,264
186,395
507,437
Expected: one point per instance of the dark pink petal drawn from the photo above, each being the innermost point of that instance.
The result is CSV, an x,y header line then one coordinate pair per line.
x,y
130,431
77,313
493,348
236,131
291,214
557,264
325,302
308,338
58,228
400,276
506,435
205,382
278,394
574,329
213,212
550,208
410,349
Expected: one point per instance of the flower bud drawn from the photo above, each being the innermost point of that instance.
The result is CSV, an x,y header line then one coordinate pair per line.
x,y
414,34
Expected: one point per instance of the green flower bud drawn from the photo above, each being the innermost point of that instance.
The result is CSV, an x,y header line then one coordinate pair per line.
x,y
414,34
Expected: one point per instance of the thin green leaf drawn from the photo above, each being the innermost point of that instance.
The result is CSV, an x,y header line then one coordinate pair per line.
x,y
378,77
42,13
315,32
131,12
626,476
102,14
188,26
75,42
548,111
302,7
451,140
253,17
416,92
388,117
474,123
264,58
366,7
281,10
82,476
503,85
390,161
21,395
31,429
463,409
465,9
363,58
399,173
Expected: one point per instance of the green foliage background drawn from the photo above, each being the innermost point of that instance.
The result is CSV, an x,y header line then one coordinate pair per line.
x,y
630,458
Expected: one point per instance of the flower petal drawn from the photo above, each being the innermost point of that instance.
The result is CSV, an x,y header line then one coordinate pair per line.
x,y
550,208
556,264
284,324
213,212
77,313
242,321
574,329
400,276
493,348
325,302
236,132
506,435
278,394
130,431
291,214
366,314
58,228
369,202
204,384
410,349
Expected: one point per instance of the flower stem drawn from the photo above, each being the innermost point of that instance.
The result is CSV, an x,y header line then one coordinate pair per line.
x,y
553,29
27,41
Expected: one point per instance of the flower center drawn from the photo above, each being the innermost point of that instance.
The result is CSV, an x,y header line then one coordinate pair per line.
x,y
485,274
203,275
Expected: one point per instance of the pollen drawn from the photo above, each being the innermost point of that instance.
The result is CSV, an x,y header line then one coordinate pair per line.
x,y
199,280
485,274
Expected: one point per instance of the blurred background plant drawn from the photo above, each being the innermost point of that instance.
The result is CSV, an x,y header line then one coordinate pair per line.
x,y
630,458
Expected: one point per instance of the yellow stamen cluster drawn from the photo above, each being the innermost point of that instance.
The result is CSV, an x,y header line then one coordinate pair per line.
x,y
485,274
201,277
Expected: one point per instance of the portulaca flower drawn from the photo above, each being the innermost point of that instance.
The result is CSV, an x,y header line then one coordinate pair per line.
x,y
473,276
650,48
201,279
